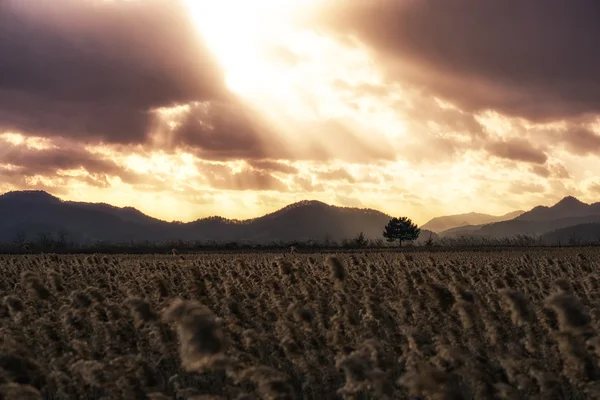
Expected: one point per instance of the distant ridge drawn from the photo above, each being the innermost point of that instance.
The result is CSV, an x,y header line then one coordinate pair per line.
x,y
538,221
29,213
440,224
568,207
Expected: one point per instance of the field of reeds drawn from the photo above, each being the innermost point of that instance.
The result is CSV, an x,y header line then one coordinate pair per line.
x,y
456,325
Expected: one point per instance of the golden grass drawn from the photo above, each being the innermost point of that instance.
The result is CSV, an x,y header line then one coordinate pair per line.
x,y
461,325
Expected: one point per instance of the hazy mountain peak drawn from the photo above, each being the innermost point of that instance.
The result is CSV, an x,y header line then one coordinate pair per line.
x,y
37,196
444,223
569,201
568,207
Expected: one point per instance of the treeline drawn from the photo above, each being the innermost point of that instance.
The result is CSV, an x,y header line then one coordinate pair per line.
x,y
60,244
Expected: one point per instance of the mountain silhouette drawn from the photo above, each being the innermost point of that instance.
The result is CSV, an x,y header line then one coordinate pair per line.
x,y
440,224
31,213
568,207
540,220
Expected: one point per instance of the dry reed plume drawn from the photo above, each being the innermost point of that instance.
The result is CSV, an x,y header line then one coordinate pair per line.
x,y
373,325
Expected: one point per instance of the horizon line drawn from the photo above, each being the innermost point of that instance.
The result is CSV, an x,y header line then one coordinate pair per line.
x,y
300,202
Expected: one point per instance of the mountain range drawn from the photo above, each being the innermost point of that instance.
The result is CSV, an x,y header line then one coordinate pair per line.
x,y
29,214
568,218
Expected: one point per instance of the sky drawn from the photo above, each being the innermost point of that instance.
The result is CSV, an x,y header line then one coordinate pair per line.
x,y
192,108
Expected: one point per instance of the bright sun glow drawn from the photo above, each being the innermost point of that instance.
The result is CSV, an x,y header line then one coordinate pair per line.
x,y
291,74
241,33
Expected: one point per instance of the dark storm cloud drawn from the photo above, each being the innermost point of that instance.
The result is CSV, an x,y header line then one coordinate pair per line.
x,y
557,171
28,162
541,170
516,150
217,130
581,141
93,70
535,59
34,115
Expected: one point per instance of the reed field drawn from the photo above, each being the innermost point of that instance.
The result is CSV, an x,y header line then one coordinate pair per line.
x,y
373,325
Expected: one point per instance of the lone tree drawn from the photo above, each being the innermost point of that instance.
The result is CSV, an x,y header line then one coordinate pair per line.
x,y
360,240
401,229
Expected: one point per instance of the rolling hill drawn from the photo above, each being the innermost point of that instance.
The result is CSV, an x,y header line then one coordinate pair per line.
x,y
31,213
